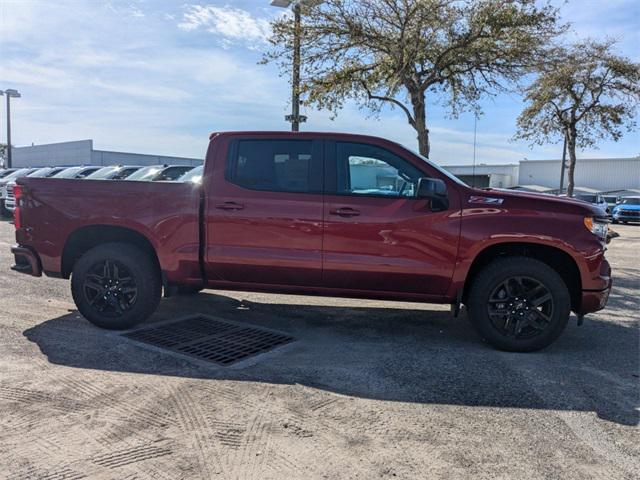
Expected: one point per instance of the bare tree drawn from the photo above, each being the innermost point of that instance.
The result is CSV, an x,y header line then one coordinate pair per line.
x,y
405,52
585,92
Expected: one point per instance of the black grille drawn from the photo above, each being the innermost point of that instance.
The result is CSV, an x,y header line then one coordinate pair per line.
x,y
209,339
629,213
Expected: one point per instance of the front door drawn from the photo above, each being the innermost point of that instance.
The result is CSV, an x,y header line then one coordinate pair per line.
x,y
378,235
264,213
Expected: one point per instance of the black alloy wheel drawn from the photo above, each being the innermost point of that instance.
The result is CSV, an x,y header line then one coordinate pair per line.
x,y
110,288
520,307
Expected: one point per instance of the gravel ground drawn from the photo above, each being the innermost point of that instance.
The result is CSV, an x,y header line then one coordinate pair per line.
x,y
369,390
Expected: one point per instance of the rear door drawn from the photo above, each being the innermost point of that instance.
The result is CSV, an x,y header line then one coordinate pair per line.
x,y
378,235
264,212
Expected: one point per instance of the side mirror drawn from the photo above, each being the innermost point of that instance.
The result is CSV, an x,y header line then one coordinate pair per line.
x,y
435,190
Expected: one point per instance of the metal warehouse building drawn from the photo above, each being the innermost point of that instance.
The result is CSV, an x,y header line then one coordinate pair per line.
x,y
597,174
82,153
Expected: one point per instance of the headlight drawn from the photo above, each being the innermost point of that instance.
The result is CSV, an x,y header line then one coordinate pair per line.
x,y
597,227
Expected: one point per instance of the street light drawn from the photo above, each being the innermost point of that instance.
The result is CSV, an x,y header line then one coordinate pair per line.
x,y
10,93
295,118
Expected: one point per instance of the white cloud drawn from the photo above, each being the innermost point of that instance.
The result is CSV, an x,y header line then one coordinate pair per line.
x,y
233,25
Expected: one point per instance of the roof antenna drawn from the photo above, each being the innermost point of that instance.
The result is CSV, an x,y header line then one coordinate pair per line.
x,y
475,131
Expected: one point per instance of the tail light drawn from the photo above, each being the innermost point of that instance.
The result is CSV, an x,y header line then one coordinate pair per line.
x,y
17,194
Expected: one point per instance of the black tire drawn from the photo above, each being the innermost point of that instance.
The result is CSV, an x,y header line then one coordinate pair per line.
x,y
129,292
519,325
614,221
189,290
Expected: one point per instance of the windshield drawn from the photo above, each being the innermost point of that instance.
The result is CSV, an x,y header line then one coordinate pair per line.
x,y
194,175
446,173
68,173
41,172
146,173
18,173
6,173
630,201
102,174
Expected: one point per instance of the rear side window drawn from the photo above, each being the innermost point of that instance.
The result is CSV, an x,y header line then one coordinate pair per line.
x,y
275,165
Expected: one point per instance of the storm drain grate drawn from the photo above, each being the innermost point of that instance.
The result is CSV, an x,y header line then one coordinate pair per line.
x,y
209,339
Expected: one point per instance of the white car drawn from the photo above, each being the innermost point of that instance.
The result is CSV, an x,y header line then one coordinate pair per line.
x,y
7,180
44,172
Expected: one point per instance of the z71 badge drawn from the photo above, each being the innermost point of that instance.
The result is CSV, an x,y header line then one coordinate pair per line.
x,y
486,200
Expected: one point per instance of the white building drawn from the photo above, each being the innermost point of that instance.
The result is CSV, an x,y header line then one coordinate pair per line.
x,y
82,153
601,174
497,176
597,174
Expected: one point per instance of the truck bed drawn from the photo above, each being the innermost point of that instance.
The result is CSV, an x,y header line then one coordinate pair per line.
x,y
54,212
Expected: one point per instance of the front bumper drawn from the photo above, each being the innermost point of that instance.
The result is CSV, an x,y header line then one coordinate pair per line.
x,y
594,300
26,261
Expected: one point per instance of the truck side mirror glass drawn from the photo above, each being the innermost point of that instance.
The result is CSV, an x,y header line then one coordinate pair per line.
x,y
435,190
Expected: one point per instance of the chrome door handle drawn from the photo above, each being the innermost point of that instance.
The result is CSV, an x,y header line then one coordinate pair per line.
x,y
345,212
230,206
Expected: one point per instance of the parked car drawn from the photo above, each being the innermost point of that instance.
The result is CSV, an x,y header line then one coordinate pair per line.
x,y
44,172
77,172
594,199
279,212
193,176
160,173
6,171
3,187
627,210
114,172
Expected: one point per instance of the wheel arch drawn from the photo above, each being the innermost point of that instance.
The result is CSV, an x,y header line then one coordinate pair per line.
x,y
556,258
89,236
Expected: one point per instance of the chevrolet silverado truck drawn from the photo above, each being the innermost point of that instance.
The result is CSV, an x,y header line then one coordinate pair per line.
x,y
320,214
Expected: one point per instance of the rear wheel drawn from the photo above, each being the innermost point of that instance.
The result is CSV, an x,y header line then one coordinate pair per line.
x,y
116,286
519,304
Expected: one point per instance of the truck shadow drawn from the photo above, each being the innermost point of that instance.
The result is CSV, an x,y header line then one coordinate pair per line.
x,y
392,354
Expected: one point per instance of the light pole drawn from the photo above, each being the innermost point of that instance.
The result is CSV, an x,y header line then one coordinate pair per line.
x,y
295,118
10,93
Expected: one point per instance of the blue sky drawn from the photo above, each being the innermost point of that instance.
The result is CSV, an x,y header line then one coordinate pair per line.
x,y
157,76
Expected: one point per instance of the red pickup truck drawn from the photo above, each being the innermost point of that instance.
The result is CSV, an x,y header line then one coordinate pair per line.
x,y
320,214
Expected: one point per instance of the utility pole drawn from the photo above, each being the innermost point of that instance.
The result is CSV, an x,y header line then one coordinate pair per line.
x,y
475,132
295,78
10,93
295,118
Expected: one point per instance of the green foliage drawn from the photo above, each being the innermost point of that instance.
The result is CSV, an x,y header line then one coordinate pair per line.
x,y
586,88
401,52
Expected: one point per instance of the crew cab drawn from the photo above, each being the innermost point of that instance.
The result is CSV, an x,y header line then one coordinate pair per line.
x,y
320,214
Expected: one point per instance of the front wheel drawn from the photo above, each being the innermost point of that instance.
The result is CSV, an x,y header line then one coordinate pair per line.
x,y
519,304
116,286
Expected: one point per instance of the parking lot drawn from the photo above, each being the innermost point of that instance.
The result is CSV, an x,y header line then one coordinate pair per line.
x,y
368,390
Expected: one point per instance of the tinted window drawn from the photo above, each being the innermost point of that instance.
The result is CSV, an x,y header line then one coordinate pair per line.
x,y
124,173
274,165
369,170
173,173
